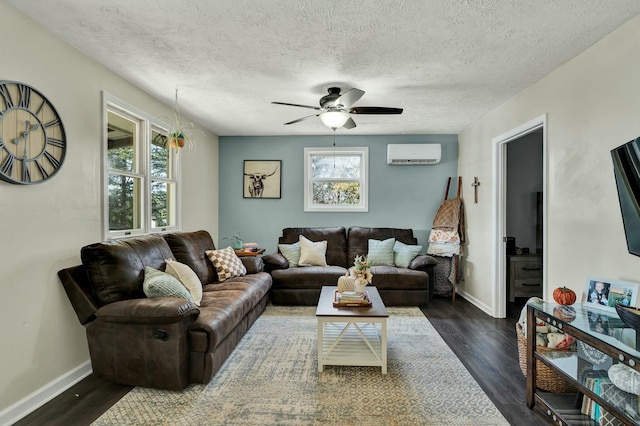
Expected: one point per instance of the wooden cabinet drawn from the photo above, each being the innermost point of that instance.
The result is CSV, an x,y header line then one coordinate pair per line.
x,y
524,276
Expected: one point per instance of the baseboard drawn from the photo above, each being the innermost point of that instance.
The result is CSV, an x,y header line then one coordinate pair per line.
x,y
475,302
45,394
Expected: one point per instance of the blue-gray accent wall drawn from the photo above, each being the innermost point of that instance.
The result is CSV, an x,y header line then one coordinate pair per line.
x,y
399,196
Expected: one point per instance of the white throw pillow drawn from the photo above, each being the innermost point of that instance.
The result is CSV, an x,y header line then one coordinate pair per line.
x,y
187,277
291,252
312,253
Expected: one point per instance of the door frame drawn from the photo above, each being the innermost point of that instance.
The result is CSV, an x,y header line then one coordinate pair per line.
x,y
499,214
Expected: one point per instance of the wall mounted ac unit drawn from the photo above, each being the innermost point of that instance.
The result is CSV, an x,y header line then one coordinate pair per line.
x,y
413,154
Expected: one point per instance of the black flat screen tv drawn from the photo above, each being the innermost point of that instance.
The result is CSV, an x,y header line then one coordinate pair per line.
x,y
626,166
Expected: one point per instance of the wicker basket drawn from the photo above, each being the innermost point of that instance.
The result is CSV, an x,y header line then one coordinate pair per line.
x,y
546,379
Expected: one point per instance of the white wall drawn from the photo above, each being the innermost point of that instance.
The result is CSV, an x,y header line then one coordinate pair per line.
x,y
593,106
42,227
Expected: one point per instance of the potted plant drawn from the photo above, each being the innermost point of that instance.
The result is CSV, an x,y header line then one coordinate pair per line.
x,y
236,241
180,134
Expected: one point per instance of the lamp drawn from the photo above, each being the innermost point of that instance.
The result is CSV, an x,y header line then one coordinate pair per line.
x,y
334,119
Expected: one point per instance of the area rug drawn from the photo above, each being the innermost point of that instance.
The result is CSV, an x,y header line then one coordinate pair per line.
x,y
272,378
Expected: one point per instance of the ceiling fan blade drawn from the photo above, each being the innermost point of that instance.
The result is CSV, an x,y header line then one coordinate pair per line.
x,y
302,119
375,110
349,98
350,124
296,105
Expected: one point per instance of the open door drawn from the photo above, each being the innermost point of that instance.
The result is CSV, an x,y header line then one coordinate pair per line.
x,y
500,291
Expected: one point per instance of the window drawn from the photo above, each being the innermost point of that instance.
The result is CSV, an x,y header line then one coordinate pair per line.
x,y
336,179
141,176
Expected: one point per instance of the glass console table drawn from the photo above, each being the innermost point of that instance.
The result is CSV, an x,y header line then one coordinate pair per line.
x,y
602,339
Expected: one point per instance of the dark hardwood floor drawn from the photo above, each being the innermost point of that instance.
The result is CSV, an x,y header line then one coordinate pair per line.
x,y
486,346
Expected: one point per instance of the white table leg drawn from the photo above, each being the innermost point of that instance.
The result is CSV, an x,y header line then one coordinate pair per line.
x,y
320,343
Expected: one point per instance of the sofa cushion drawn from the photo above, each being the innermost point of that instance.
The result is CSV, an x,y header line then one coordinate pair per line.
x,y
291,252
394,278
336,238
312,253
381,252
187,278
403,254
116,268
189,248
308,277
224,305
227,263
160,284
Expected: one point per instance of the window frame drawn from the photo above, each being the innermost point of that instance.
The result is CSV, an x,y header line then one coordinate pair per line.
x,y
147,124
363,206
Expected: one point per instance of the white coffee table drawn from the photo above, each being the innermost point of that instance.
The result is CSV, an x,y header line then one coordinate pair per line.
x,y
352,335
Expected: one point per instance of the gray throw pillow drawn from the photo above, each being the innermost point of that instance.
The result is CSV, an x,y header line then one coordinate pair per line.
x,y
159,284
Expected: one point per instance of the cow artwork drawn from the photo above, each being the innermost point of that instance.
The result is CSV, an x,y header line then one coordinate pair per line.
x,y
262,179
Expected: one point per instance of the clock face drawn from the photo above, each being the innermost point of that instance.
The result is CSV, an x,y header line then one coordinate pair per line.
x,y
32,138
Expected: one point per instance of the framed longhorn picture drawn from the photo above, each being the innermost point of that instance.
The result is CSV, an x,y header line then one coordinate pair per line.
x,y
262,179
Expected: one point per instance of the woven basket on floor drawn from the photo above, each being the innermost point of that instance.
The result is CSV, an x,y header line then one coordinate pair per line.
x,y
546,379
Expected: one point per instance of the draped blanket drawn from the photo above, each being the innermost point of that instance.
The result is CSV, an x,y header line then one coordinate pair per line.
x,y
447,229
447,232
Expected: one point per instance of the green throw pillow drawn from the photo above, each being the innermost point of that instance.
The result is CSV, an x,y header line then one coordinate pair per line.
x,y
403,254
291,252
381,252
159,284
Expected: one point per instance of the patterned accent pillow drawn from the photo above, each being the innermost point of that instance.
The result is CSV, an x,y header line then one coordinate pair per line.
x,y
381,252
291,252
312,253
159,284
403,254
227,263
187,277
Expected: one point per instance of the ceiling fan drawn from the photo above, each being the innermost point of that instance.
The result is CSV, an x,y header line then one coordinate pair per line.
x,y
335,108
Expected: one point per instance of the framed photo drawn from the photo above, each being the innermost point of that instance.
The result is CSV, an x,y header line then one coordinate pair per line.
x,y
605,293
262,179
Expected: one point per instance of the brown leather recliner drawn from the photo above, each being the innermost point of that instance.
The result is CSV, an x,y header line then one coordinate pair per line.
x,y
164,342
397,286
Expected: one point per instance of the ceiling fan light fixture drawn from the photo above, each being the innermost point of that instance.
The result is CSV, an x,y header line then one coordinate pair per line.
x,y
334,119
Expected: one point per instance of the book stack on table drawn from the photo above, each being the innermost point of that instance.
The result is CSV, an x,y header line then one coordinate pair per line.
x,y
351,298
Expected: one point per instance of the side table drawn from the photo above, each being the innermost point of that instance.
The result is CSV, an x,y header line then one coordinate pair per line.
x,y
248,253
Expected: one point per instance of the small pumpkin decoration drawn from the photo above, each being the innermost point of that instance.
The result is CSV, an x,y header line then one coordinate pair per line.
x,y
565,313
564,296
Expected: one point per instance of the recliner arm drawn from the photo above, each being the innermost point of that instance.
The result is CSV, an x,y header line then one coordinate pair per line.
x,y
275,261
160,310
423,262
253,264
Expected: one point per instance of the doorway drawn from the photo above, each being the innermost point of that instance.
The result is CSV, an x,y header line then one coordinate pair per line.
x,y
506,220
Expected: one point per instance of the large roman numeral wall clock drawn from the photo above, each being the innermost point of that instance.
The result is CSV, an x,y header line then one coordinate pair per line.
x,y
32,139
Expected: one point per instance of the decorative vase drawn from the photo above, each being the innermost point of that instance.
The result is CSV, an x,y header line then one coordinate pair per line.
x,y
360,286
236,244
346,283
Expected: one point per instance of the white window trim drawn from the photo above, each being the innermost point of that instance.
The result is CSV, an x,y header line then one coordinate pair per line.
x,y
149,122
363,207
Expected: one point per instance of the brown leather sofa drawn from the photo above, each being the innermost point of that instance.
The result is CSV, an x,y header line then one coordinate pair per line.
x,y
301,285
162,342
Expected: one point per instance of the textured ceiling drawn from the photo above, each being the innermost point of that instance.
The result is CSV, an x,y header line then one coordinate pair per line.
x,y
446,62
